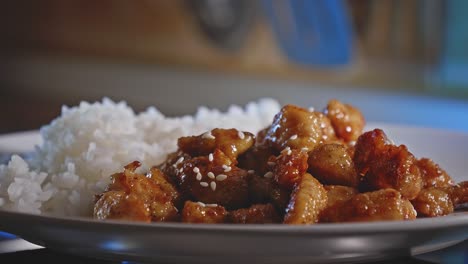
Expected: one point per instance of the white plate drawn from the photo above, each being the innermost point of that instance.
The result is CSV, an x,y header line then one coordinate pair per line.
x,y
322,243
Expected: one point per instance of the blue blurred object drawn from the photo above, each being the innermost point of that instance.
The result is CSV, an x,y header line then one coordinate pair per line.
x,y
5,235
312,32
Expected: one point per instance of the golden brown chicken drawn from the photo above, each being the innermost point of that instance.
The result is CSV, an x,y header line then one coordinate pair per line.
x,y
433,175
198,212
338,193
298,128
287,168
333,164
347,121
214,180
138,197
385,204
433,202
308,200
385,165
255,214
231,142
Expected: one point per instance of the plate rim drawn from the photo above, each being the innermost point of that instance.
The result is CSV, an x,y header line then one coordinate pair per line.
x,y
457,220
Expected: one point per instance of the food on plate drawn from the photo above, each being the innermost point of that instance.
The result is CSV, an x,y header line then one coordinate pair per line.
x,y
303,168
263,164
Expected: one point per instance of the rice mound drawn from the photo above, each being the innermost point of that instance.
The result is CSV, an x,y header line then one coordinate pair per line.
x,y
87,143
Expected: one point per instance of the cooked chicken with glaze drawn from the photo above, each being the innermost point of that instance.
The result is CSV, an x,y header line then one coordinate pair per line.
x,y
298,128
133,196
333,164
308,200
385,204
338,193
347,121
306,167
255,214
198,212
384,165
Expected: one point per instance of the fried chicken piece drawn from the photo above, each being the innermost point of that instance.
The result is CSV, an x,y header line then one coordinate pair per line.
x,y
385,204
231,142
198,212
333,164
288,167
266,190
256,159
458,193
338,193
255,214
119,205
172,165
298,128
387,166
367,148
308,199
214,179
433,175
347,121
166,186
133,196
433,202
438,201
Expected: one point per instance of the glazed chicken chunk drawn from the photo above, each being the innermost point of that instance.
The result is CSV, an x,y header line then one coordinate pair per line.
x,y
198,212
347,121
298,128
213,179
231,142
333,164
385,165
338,193
138,197
438,201
308,199
385,204
255,214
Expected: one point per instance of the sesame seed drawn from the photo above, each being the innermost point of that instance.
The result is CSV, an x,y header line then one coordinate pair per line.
x,y
293,137
213,185
221,177
304,149
196,170
208,135
211,175
288,150
241,134
250,171
289,163
201,204
311,109
199,177
271,163
210,157
268,175
204,184
181,170
211,205
180,160
227,168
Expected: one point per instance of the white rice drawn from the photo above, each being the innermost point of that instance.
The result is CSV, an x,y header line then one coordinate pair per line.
x,y
87,143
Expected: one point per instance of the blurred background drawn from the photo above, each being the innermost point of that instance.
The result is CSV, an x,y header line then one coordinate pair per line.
x,y
385,56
